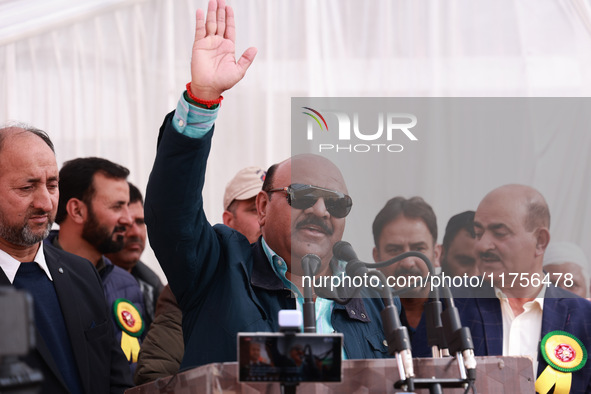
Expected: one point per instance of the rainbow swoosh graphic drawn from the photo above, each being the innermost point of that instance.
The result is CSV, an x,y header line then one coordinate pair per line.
x,y
315,118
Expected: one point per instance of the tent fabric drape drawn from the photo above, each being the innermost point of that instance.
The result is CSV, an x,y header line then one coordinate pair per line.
x,y
99,76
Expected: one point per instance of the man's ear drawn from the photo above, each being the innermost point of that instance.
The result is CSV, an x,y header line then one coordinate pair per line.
x,y
542,239
77,210
228,218
262,203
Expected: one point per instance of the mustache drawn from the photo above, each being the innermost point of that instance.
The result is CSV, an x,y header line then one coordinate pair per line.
x,y
39,212
118,229
315,221
133,240
408,272
489,256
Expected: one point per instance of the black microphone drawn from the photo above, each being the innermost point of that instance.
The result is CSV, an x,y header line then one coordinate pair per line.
x,y
343,250
459,339
310,264
435,334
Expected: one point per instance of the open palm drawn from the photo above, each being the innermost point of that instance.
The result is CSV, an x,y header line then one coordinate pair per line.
x,y
213,65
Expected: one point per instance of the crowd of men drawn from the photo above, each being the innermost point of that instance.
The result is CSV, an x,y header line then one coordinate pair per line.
x,y
102,316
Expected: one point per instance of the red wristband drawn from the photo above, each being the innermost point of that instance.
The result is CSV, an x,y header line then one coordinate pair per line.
x,y
208,103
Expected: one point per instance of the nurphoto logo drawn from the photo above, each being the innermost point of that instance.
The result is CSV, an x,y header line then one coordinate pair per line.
x,y
389,125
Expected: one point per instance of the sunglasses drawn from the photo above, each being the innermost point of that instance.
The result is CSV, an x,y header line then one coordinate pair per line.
x,y
305,196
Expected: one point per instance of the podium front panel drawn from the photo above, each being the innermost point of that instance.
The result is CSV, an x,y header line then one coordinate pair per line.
x,y
494,375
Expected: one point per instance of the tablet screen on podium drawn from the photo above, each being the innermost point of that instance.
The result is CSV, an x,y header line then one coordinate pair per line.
x,y
303,357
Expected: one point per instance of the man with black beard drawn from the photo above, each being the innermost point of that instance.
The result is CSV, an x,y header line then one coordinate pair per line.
x,y
93,215
128,258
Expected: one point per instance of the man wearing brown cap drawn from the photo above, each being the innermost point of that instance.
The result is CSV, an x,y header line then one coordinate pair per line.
x,y
163,348
240,210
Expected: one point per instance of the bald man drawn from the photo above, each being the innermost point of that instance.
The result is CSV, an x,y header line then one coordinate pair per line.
x,y
223,284
518,317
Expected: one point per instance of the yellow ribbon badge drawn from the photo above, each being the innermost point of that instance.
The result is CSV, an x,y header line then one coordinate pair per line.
x,y
564,354
130,321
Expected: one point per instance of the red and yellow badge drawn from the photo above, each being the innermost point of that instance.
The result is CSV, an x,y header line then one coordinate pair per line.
x,y
130,321
564,354
128,317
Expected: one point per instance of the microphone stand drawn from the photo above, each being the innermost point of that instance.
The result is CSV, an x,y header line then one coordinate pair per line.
x,y
310,264
396,334
446,327
459,339
435,334
289,387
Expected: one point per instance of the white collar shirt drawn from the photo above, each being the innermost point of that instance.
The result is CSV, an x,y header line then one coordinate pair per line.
x,y
521,333
10,265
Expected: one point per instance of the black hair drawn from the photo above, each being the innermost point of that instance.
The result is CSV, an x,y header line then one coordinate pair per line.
x,y
134,194
414,208
269,178
465,221
77,180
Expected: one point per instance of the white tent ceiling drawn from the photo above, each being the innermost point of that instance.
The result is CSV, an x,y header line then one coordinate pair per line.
x,y
99,76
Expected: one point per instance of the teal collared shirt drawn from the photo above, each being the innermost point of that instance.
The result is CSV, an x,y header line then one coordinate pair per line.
x,y
193,121
323,306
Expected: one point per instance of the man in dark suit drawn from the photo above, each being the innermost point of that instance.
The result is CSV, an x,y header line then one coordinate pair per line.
x,y
76,349
520,317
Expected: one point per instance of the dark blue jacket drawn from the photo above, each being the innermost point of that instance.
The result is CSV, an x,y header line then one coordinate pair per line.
x,y
150,286
562,311
117,283
101,365
223,284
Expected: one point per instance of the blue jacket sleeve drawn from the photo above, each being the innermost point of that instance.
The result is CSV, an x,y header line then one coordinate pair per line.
x,y
180,235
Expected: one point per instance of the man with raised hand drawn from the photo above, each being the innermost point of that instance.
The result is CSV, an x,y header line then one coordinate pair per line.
x,y
223,284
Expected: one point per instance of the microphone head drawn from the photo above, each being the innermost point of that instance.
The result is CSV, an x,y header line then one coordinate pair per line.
x,y
310,264
357,268
343,250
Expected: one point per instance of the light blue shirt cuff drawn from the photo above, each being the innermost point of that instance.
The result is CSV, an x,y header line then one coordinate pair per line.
x,y
193,121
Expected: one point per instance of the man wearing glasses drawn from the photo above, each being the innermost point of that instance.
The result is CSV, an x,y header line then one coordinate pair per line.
x,y
223,284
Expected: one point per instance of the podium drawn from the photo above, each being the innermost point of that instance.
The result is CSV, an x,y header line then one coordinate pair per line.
x,y
494,375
